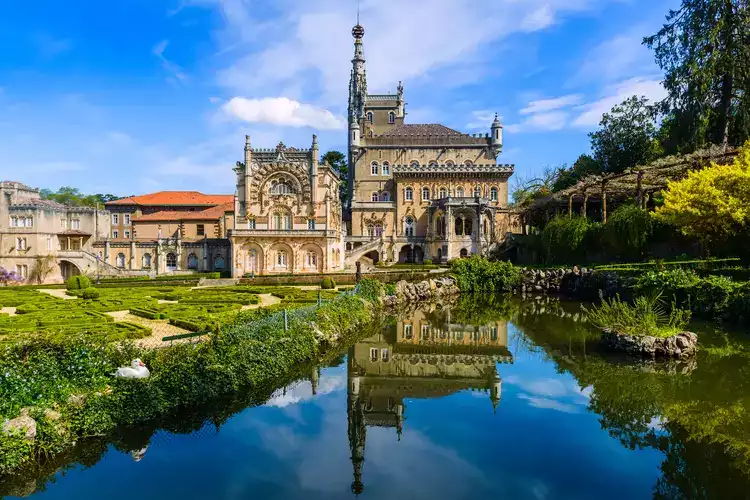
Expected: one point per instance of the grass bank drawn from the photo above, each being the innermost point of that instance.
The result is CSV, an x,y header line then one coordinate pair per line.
x,y
66,386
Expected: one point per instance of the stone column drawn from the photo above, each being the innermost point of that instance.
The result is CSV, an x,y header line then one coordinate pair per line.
x,y
205,255
132,255
448,231
106,250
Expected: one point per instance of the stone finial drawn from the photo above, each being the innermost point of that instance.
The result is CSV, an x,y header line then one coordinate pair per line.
x,y
247,141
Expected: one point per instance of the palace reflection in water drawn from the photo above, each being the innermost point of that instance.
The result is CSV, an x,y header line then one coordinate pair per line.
x,y
424,355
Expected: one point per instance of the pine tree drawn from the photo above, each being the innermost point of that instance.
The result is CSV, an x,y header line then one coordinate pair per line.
x,y
704,49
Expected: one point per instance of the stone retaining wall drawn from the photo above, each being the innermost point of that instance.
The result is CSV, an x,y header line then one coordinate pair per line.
x,y
574,282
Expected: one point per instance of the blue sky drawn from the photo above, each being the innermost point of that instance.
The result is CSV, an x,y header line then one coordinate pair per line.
x,y
142,95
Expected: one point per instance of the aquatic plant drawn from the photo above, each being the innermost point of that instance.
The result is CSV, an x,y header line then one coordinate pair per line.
x,y
646,316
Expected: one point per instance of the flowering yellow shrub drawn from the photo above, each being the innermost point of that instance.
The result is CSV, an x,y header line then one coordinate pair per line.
x,y
710,203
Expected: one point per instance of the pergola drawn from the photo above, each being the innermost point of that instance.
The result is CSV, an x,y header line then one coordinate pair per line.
x,y
640,181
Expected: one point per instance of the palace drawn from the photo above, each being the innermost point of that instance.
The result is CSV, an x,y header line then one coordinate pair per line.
x,y
416,192
288,216
419,191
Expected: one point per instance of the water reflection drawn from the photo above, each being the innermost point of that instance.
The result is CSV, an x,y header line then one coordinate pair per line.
x,y
425,354
505,398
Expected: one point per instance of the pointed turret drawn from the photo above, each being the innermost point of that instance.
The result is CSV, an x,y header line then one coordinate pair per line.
x,y
496,136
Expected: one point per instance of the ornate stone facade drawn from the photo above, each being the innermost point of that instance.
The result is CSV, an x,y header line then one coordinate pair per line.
x,y
419,191
287,213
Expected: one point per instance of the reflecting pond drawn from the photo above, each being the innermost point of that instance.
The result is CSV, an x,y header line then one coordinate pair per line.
x,y
490,398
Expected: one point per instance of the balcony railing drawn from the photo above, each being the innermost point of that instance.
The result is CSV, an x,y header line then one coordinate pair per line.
x,y
291,233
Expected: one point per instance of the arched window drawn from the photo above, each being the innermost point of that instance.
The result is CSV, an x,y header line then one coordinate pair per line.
x,y
433,164
281,259
370,231
409,226
460,192
425,194
450,163
192,261
369,116
493,194
477,191
374,168
378,230
459,225
439,226
120,260
415,164
443,193
374,196
467,227
219,262
171,262
385,196
391,117
311,259
147,260
282,186
408,194
386,168
252,260
468,163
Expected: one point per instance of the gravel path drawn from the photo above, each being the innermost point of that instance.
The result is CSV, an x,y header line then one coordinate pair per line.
x,y
266,299
57,292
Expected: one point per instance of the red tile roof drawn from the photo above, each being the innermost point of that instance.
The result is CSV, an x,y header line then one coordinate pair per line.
x,y
410,130
212,213
174,198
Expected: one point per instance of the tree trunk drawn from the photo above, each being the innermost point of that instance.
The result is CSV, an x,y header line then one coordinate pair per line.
x,y
725,110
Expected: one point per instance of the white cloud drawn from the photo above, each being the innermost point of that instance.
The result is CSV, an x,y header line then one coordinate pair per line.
x,y
617,58
177,75
281,111
544,105
591,114
553,120
295,60
482,119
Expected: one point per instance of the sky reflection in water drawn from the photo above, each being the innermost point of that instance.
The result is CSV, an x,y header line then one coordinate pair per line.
x,y
409,414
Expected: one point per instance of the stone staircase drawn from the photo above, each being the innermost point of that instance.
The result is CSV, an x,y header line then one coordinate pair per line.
x,y
87,262
352,256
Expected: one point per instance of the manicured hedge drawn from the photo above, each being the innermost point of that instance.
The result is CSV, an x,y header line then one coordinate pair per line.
x,y
80,282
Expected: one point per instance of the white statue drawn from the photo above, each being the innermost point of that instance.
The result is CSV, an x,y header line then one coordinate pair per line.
x,y
137,369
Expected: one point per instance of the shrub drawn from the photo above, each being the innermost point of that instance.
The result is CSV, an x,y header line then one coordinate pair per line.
x,y
646,316
79,282
327,284
90,293
427,262
477,274
563,238
370,289
628,231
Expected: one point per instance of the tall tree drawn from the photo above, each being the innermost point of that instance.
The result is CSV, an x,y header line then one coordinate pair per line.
x,y
584,166
338,161
626,136
704,49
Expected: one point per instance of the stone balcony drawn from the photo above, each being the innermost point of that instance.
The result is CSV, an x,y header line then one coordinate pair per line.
x,y
281,233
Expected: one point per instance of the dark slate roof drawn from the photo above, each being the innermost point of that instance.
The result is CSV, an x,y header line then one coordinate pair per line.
x,y
38,203
422,129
